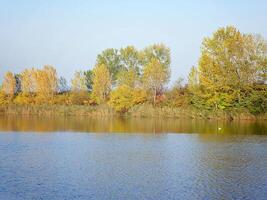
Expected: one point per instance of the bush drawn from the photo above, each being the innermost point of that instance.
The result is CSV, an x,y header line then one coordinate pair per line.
x,y
124,97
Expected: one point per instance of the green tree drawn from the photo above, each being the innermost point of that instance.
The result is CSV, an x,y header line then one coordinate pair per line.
x,y
89,79
62,85
130,59
111,59
157,51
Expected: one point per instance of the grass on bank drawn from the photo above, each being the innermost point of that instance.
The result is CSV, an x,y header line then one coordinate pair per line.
x,y
142,110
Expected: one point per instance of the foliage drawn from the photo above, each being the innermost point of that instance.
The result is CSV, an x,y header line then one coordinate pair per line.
x,y
62,85
9,84
78,83
28,81
111,59
24,99
46,82
101,83
230,80
124,97
155,77
231,63
3,98
89,79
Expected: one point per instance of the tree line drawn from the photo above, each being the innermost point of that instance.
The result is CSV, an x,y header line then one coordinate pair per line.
x,y
231,75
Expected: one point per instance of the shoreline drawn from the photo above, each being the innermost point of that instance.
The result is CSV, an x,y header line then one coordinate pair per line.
x,y
139,111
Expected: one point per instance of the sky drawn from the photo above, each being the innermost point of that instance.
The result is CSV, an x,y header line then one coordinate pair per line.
x,y
69,34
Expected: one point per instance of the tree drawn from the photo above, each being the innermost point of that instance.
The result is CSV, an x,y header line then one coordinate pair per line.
x,y
101,83
130,73
89,79
28,81
128,77
18,83
156,51
130,59
124,97
78,83
9,84
62,85
230,64
111,59
46,82
155,77
121,99
177,96
193,79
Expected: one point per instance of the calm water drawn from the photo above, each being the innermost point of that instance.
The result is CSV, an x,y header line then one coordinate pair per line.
x,y
82,158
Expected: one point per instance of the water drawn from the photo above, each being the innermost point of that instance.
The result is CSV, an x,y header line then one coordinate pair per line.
x,y
56,158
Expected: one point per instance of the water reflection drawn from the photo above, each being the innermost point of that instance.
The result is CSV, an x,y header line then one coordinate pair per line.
x,y
129,125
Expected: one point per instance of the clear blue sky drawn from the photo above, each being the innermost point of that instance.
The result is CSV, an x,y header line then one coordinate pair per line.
x,y
69,34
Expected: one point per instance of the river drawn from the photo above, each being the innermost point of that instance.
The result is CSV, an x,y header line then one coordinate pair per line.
x,y
120,158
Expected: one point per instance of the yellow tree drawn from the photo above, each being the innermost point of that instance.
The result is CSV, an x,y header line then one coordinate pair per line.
x,y
28,81
78,83
124,97
9,84
46,82
101,83
230,64
155,76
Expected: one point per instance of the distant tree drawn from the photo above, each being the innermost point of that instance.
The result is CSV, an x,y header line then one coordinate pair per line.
x,y
28,81
130,59
193,79
155,77
78,83
46,82
111,59
18,83
129,78
125,97
101,83
62,85
157,51
9,84
89,79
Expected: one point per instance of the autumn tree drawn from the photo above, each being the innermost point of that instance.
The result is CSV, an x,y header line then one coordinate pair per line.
x,y
46,82
125,97
231,63
101,83
78,83
28,81
9,84
155,77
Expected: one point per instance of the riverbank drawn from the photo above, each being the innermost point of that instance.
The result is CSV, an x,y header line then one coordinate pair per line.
x,y
142,111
